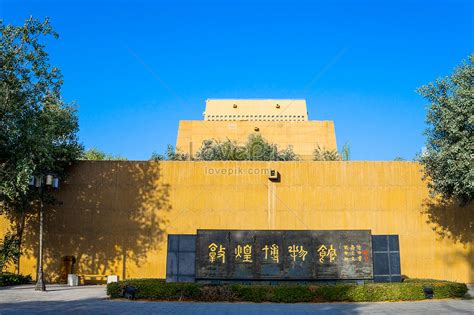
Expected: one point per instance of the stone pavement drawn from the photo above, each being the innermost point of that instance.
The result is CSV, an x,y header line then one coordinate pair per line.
x,y
60,299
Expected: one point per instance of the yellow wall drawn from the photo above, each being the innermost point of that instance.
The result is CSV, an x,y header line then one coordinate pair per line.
x,y
116,210
304,136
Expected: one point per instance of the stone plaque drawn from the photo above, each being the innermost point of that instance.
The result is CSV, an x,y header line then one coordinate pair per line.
x,y
212,258
283,255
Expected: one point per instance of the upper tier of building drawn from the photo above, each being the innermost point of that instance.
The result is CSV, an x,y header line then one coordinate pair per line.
x,y
282,122
255,110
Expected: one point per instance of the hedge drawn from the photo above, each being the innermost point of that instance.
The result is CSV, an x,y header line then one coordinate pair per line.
x,y
410,290
13,278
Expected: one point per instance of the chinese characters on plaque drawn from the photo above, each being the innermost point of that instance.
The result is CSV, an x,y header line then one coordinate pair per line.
x,y
300,255
274,253
216,252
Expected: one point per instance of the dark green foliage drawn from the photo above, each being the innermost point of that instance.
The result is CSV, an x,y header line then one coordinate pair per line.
x,y
155,289
449,156
214,150
155,156
9,250
98,155
38,130
255,293
334,293
410,290
255,149
173,154
442,288
13,279
293,293
215,293
322,154
113,289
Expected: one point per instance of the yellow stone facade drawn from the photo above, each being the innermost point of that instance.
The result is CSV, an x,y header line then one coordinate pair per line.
x,y
303,136
282,122
115,215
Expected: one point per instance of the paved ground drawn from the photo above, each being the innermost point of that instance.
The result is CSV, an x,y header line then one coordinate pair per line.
x,y
92,300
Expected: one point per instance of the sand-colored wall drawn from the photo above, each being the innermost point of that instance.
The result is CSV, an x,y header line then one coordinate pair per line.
x,y
115,216
304,136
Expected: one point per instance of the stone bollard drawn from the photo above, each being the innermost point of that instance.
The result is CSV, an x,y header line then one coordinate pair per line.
x,y
112,278
72,280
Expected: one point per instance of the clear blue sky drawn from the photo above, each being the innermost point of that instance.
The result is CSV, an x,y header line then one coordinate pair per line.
x,y
136,68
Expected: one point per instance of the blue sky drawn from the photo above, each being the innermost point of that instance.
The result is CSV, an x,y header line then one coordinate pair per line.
x,y
135,68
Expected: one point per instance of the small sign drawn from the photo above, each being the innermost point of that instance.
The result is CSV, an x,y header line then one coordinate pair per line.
x,y
283,255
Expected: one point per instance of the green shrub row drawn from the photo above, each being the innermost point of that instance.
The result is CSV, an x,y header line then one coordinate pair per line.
x,y
158,289
7,278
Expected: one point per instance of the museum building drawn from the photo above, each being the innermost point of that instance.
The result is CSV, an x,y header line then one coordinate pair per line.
x,y
118,217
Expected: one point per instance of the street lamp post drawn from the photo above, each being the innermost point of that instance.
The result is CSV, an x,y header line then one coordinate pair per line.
x,y
41,182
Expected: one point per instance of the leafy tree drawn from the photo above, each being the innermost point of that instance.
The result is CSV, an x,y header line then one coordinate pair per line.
x,y
155,156
175,155
399,158
37,128
171,155
9,250
259,149
288,154
449,156
215,150
255,149
322,154
94,154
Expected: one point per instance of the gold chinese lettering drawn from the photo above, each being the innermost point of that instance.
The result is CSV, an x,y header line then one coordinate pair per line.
x,y
238,251
332,253
273,251
247,253
212,252
297,251
244,253
325,252
216,252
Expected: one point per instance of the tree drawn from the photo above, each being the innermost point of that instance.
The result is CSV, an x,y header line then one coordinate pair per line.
x,y
38,130
215,150
322,154
448,160
255,149
94,154
170,155
155,156
175,155
259,149
9,251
